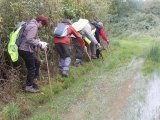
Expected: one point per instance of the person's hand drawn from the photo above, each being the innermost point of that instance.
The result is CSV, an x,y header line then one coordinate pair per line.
x,y
43,45
108,42
98,46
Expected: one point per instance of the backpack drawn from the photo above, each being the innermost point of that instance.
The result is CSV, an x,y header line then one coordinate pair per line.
x,y
61,30
15,39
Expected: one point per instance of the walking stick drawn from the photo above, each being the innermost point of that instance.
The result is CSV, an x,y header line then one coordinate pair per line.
x,y
109,47
48,71
89,58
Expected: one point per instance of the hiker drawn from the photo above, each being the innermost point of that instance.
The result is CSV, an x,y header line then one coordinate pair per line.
x,y
85,28
99,32
62,34
27,50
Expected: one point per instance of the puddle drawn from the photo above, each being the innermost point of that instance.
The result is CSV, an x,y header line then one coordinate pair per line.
x,y
151,108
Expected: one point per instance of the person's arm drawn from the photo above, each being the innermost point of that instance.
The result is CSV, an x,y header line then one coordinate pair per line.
x,y
31,37
88,32
103,35
78,36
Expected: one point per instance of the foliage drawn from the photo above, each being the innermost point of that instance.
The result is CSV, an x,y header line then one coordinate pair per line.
x,y
72,10
152,7
57,87
135,23
154,53
12,111
152,59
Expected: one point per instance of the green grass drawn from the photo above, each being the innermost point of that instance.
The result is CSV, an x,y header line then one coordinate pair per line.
x,y
152,59
11,111
123,52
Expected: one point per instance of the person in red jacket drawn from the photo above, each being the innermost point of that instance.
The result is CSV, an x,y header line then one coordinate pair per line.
x,y
62,45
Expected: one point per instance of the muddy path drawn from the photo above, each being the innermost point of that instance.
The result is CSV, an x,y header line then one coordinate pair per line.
x,y
122,95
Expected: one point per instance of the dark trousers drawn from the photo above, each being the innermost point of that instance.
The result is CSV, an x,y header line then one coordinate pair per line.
x,y
63,50
79,49
32,65
65,53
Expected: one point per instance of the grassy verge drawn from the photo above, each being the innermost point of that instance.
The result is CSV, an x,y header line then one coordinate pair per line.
x,y
152,57
49,105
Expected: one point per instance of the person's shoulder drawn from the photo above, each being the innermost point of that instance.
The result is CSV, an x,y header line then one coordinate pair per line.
x,y
32,23
71,28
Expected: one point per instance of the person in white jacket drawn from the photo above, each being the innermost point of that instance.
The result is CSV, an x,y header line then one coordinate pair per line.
x,y
85,28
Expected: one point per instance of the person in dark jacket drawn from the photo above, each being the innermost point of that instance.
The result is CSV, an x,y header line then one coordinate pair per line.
x,y
27,50
99,32
62,45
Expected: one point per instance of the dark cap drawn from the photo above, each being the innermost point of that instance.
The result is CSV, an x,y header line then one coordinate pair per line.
x,y
67,21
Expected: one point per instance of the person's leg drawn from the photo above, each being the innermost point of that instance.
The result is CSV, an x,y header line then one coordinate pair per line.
x,y
31,68
79,51
67,60
88,49
67,63
97,53
93,50
60,50
37,65
61,64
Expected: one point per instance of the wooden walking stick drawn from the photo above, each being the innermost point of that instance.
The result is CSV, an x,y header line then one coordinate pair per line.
x,y
89,57
48,71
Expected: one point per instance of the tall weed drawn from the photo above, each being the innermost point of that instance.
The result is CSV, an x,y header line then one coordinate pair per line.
x,y
11,111
154,53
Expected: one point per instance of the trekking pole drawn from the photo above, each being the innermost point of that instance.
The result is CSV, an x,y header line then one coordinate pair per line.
x,y
48,71
109,47
89,58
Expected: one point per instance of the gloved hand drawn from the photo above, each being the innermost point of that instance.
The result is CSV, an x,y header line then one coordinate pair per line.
x,y
108,42
43,45
98,46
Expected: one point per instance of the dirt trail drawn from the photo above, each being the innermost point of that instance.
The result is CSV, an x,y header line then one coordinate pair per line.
x,y
106,97
125,91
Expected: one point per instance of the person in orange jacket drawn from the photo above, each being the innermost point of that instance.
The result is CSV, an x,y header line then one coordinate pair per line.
x,y
62,44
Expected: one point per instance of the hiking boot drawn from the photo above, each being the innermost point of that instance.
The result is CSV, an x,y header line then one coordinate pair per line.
x,y
78,62
65,73
35,83
31,89
93,57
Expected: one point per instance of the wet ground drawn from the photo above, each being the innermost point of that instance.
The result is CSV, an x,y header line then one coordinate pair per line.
x,y
121,93
124,94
